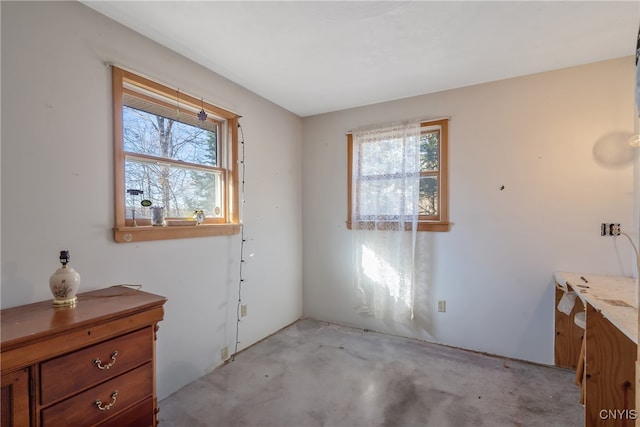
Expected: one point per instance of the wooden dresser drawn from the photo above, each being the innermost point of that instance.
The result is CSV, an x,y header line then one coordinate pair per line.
x,y
88,365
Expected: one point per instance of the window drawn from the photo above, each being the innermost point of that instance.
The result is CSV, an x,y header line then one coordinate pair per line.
x,y
175,155
378,175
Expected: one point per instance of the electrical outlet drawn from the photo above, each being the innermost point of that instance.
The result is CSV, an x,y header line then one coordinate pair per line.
x,y
243,310
610,229
224,353
442,306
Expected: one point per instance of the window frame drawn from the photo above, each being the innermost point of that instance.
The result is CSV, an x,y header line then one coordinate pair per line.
x,y
438,222
229,224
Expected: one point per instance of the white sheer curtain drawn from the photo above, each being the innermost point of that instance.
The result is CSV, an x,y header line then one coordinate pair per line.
x,y
385,193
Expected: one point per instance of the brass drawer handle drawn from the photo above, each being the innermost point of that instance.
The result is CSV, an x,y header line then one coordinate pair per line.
x,y
98,402
99,364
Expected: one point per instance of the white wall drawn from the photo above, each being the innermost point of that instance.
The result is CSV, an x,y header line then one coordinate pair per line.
x,y
57,188
556,141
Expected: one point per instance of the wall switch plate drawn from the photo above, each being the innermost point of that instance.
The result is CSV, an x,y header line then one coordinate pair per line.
x,y
442,306
243,310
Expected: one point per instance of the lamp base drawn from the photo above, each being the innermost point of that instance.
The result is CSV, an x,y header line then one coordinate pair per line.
x,y
65,302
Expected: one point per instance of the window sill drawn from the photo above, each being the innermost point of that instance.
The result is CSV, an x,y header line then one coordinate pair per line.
x,y
146,233
381,225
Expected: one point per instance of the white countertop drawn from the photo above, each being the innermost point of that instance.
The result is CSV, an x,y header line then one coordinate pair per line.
x,y
613,296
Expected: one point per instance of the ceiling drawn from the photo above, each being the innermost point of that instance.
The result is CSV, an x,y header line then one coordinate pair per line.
x,y
312,57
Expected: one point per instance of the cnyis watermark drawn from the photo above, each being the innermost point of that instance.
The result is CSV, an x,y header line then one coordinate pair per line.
x,y
618,414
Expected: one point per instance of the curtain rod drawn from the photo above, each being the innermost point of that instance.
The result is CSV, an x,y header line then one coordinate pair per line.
x,y
430,119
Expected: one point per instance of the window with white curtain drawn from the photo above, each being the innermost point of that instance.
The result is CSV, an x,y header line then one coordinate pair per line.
x,y
379,167
397,187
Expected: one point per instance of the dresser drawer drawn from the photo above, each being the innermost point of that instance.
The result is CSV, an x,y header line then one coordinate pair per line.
x,y
117,396
141,415
65,375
